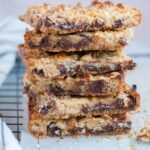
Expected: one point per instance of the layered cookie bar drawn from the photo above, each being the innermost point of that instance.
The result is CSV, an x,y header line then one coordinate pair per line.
x,y
59,65
63,19
99,40
90,85
54,107
99,125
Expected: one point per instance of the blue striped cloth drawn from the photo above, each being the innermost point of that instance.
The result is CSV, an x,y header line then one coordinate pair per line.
x,y
11,34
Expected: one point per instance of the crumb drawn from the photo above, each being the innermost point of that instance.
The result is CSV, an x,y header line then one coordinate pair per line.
x,y
144,134
138,111
147,122
132,134
133,147
119,137
145,111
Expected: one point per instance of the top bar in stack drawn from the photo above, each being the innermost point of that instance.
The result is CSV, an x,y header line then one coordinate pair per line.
x,y
70,19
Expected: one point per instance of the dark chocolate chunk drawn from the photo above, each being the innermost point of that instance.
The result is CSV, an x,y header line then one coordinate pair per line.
x,y
26,88
31,44
98,86
131,65
45,42
85,109
119,103
48,22
83,43
62,69
78,70
132,102
110,128
97,108
123,41
39,72
104,69
74,91
66,26
118,23
63,44
90,68
72,72
134,87
75,130
55,131
98,23
55,89
49,107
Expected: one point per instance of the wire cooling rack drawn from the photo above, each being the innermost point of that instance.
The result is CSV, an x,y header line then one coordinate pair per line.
x,y
11,109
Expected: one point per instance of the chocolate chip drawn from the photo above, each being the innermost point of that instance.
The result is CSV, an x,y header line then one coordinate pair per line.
x,y
78,70
45,42
118,23
97,108
131,65
81,26
39,72
49,107
66,25
55,131
74,91
75,130
119,103
44,110
110,128
63,44
72,72
85,109
62,69
98,23
97,86
90,68
55,89
123,41
82,43
26,88
48,22
31,44
104,69
134,87
132,102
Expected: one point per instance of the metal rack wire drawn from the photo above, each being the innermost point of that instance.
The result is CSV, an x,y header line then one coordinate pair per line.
x,y
10,99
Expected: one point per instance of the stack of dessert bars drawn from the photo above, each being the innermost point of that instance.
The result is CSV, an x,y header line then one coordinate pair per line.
x,y
75,68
